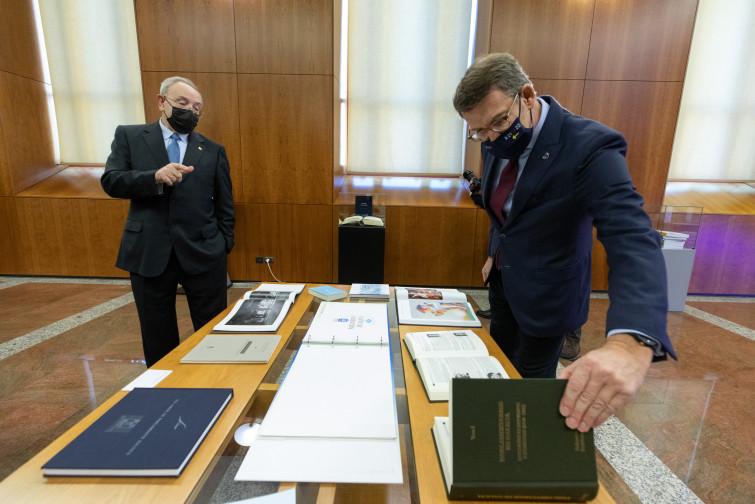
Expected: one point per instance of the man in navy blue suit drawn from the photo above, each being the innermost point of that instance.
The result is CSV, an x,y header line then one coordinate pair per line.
x,y
548,177
180,221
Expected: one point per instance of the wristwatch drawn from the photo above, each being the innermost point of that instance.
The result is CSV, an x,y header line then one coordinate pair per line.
x,y
648,342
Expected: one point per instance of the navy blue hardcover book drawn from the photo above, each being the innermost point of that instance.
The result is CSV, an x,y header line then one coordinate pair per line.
x,y
362,205
150,432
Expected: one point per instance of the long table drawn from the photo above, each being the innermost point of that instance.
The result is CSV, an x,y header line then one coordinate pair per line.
x,y
209,475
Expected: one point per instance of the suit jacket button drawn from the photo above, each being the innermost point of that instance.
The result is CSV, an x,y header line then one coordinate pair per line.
x,y
503,235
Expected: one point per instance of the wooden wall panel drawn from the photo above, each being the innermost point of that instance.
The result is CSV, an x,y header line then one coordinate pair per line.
x,y
287,138
11,248
27,134
285,36
646,115
567,92
186,36
71,237
298,237
220,120
19,49
550,39
6,185
641,39
429,246
237,267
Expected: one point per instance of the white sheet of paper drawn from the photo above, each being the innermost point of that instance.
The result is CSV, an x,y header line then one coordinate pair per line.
x,y
270,287
284,497
336,391
323,460
148,379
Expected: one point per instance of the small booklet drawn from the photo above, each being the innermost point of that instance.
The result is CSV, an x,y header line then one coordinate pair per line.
x,y
370,291
506,440
327,292
436,307
443,355
258,311
233,349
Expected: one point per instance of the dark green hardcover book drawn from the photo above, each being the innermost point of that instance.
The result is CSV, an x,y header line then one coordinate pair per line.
x,y
509,442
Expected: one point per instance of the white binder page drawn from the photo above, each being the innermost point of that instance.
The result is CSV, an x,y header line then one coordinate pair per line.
x,y
349,323
323,460
337,391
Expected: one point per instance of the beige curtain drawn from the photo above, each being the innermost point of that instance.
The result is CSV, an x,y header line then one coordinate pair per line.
x,y
715,134
94,67
404,62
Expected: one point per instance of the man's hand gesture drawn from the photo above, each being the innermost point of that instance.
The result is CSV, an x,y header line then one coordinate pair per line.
x,y
172,173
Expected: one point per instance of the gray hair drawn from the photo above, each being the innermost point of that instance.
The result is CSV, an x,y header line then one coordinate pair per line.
x,y
167,83
492,71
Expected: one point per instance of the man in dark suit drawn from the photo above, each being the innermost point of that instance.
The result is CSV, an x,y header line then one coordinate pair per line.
x,y
180,222
549,177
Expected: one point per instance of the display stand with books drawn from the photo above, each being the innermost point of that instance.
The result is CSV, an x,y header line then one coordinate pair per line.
x,y
361,237
442,355
435,307
679,227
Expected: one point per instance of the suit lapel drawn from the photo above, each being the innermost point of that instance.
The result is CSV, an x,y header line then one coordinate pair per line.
x,y
153,137
543,154
194,150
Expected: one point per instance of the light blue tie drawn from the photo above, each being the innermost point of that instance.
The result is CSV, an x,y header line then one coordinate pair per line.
x,y
174,152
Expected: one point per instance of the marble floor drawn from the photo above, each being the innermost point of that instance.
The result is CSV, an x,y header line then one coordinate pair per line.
x,y
67,344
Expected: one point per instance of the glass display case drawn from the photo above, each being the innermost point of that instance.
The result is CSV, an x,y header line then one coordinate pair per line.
x,y
679,227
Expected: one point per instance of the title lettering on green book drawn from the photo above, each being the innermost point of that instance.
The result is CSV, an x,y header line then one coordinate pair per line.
x,y
504,432
521,431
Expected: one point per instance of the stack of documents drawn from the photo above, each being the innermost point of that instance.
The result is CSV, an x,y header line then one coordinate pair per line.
x,y
334,416
673,240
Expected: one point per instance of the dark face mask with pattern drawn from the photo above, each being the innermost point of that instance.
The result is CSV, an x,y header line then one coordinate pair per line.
x,y
511,143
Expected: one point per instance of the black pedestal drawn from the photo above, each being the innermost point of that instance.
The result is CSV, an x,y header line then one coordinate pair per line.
x,y
361,254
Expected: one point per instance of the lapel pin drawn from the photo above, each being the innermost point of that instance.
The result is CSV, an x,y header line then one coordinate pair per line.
x,y
546,155
200,148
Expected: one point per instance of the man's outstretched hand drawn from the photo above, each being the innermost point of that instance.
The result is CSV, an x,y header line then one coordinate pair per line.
x,y
603,381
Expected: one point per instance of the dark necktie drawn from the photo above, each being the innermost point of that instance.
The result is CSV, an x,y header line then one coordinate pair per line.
x,y
500,195
174,153
505,185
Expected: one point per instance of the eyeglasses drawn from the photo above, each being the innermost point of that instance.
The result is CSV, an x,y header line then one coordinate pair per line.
x,y
186,104
499,126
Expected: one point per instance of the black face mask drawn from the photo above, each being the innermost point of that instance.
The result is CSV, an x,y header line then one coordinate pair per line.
x,y
182,120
